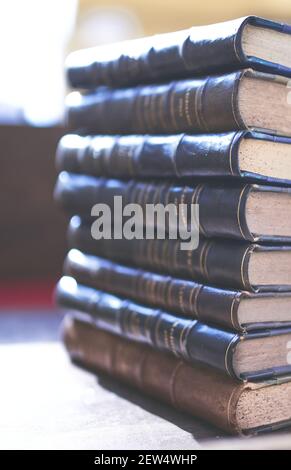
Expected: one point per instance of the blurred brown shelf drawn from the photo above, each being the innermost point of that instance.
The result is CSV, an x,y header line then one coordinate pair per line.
x,y
32,235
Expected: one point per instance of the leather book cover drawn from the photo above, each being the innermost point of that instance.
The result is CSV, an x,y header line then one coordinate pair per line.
x,y
185,298
202,105
222,208
222,263
198,390
189,339
200,49
161,156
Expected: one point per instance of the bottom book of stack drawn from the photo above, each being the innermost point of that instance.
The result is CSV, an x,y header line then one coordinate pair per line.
x,y
239,381
234,406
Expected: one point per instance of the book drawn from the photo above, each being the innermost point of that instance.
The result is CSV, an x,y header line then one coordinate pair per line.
x,y
256,355
232,309
225,263
236,407
234,155
244,42
240,211
240,100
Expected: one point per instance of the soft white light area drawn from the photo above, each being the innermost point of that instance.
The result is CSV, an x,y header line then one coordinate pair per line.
x,y
33,39
68,283
106,24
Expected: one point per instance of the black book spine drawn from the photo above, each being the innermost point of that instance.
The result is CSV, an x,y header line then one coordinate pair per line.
x,y
221,263
207,105
189,339
173,156
186,298
150,156
221,209
179,54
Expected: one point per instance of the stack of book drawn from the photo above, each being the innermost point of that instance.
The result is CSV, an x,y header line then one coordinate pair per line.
x,y
201,117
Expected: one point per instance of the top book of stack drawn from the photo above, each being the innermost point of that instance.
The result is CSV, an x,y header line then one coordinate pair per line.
x,y
249,42
245,66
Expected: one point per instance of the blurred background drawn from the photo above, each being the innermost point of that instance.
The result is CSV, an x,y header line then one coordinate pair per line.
x,y
35,36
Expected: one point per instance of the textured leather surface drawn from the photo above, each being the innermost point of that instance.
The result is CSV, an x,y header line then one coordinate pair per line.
x,y
184,297
223,263
193,51
199,390
186,338
185,106
221,207
182,337
182,106
163,156
194,389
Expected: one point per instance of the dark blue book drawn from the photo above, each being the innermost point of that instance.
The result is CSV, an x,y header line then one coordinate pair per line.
x,y
240,211
254,356
251,41
240,155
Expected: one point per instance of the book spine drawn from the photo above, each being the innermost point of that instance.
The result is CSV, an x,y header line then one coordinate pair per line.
x,y
221,263
221,210
207,49
177,54
141,156
184,106
182,337
185,298
194,389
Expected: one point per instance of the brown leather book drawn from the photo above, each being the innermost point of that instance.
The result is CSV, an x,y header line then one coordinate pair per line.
x,y
203,392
